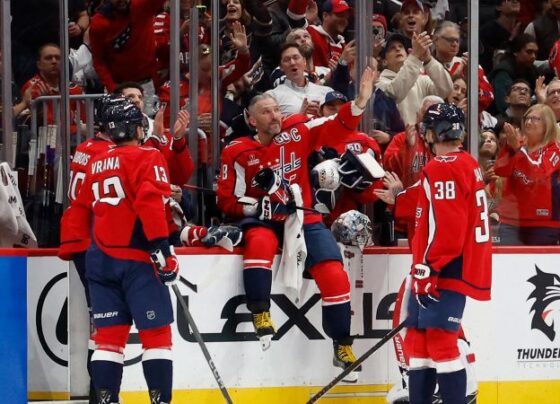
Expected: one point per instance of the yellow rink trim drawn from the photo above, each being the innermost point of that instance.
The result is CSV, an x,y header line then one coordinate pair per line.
x,y
527,392
521,392
48,395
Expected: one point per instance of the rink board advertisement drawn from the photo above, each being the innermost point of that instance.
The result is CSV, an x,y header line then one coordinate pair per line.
x,y
515,336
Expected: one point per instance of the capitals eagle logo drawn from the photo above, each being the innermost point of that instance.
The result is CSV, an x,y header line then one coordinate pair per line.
x,y
546,306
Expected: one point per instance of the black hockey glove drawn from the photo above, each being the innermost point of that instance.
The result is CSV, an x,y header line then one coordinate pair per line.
x,y
218,233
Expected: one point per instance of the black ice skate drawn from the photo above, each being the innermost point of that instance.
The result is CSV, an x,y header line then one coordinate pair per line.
x,y
344,357
104,397
155,397
264,328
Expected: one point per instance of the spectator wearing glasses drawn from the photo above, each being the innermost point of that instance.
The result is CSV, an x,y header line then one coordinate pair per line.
x,y
517,64
447,37
530,160
496,35
518,99
551,97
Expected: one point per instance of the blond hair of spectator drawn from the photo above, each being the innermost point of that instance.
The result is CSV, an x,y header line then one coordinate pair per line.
x,y
549,120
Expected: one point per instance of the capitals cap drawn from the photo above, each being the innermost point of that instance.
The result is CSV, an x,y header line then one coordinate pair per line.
x,y
336,6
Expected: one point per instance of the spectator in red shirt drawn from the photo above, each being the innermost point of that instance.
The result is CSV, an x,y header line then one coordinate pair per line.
x,y
123,45
530,160
228,74
47,81
327,37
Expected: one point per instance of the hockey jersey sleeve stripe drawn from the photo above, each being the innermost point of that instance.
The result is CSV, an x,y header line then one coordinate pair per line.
x,y
431,217
240,186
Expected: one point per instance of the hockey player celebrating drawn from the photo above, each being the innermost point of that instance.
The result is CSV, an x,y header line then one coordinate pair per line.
x,y
451,259
127,185
247,191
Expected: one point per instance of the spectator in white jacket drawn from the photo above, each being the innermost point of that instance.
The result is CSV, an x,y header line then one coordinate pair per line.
x,y
297,94
408,78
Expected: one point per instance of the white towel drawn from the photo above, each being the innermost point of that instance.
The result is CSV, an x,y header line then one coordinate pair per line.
x,y
294,251
11,201
353,259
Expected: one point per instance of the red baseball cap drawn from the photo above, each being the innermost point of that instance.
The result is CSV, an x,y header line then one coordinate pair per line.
x,y
335,6
380,18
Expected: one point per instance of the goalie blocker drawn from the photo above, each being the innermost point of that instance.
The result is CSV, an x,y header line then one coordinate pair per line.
x,y
353,171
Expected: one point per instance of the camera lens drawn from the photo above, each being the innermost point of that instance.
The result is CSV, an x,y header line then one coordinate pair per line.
x,y
375,31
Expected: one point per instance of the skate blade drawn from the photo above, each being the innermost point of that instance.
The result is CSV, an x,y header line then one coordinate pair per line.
x,y
351,377
265,342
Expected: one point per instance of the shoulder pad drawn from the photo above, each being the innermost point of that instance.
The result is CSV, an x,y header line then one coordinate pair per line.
x,y
294,119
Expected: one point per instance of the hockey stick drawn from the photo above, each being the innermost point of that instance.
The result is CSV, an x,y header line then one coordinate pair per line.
x,y
211,191
358,362
190,285
198,337
199,189
295,207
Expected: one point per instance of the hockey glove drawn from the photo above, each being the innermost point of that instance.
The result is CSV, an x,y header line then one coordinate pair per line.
x,y
425,285
358,171
274,185
274,211
165,262
191,236
219,233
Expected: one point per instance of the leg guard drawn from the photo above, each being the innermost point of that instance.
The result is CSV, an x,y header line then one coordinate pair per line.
x,y
333,284
157,363
107,362
261,244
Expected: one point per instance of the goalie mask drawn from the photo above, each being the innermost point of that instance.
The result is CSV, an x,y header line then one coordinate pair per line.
x,y
353,228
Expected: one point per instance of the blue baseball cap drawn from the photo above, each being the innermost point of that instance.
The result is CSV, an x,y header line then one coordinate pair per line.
x,y
333,96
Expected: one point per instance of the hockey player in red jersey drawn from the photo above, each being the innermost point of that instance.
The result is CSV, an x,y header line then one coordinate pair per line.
x,y
451,259
127,185
263,202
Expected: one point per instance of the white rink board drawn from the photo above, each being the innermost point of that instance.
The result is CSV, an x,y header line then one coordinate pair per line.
x,y
496,329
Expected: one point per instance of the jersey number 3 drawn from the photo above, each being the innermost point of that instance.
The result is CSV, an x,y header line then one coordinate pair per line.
x,y
482,233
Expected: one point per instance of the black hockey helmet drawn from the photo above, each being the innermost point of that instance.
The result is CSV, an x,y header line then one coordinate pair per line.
x,y
446,120
102,104
121,120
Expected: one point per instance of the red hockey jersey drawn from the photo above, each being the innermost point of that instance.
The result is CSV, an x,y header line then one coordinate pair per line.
x,y
452,225
407,162
287,154
84,154
532,192
125,194
123,45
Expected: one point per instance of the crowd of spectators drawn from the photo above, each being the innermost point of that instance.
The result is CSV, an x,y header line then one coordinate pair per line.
x,y
303,53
